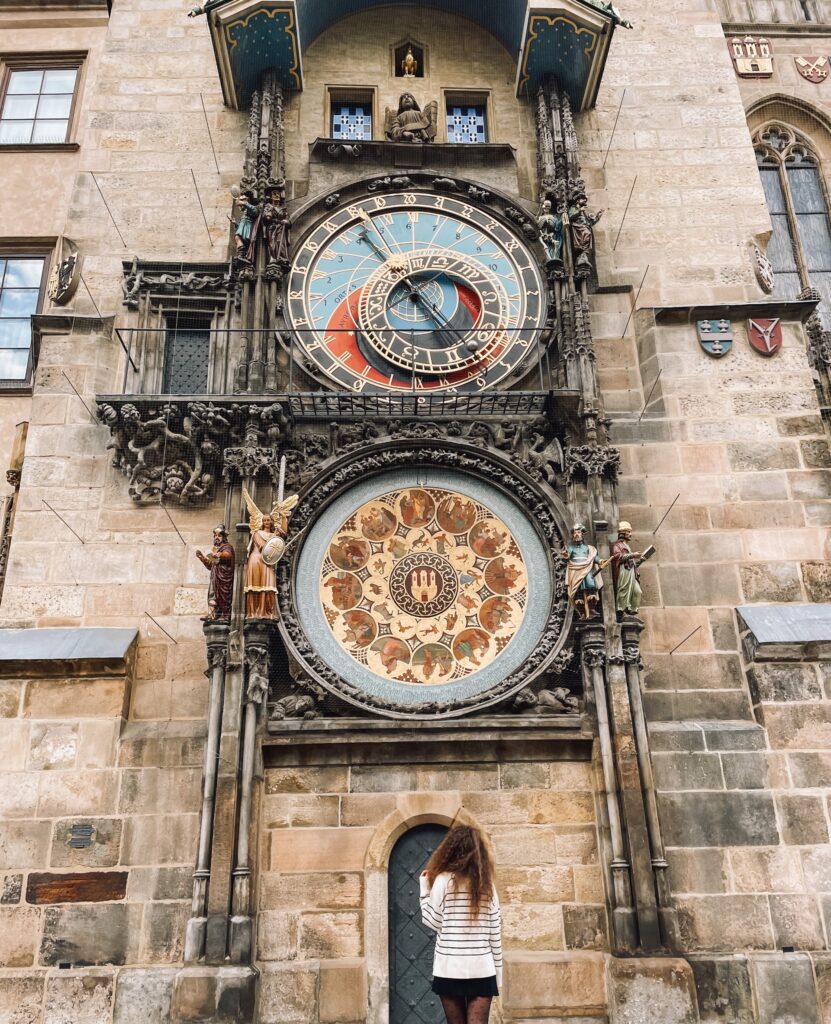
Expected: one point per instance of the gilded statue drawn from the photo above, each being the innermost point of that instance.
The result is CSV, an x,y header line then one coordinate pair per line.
x,y
409,65
410,123
265,549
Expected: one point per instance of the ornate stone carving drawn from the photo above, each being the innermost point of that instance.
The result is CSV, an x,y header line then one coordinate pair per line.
x,y
591,460
593,656
384,184
385,456
174,451
632,655
247,461
256,662
138,279
304,703
410,123
558,701
763,269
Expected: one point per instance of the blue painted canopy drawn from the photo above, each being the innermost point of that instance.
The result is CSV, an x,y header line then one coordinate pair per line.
x,y
565,38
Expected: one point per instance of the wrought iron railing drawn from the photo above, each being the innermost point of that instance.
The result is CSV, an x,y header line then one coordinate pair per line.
x,y
195,362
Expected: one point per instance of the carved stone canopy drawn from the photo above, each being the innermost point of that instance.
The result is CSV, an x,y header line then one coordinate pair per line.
x,y
537,510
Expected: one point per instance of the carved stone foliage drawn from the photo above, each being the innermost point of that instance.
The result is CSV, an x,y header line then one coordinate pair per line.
x,y
452,455
174,451
532,443
583,461
141,277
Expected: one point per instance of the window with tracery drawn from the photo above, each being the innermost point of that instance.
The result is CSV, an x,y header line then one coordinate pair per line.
x,y
800,247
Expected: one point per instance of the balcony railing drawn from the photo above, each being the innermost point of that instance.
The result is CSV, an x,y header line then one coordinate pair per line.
x,y
191,362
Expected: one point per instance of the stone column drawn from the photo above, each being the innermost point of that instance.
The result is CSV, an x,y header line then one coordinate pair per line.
x,y
632,806
593,659
257,637
667,916
216,636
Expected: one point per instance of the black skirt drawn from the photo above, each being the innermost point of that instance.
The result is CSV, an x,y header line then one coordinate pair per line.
x,y
466,988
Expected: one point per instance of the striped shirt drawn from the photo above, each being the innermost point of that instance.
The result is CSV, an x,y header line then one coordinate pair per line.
x,y
466,947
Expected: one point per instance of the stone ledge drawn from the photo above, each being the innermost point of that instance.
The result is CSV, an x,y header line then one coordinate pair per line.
x,y
786,632
73,651
379,741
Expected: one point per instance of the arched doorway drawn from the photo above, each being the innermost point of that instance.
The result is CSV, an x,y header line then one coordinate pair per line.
x,y
410,943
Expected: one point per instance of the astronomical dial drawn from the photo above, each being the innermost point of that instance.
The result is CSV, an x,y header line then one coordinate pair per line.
x,y
415,290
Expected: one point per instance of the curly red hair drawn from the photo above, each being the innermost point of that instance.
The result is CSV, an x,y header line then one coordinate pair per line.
x,y
464,853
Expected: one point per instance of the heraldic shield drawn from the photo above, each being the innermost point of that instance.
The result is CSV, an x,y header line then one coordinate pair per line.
x,y
715,336
812,69
765,335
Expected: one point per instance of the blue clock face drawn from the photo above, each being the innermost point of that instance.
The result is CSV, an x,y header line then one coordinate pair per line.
x,y
415,290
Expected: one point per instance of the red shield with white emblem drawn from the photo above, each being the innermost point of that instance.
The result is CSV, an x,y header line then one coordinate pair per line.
x,y
812,69
765,335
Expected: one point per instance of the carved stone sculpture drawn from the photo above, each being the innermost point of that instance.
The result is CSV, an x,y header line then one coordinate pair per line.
x,y
220,561
582,232
558,701
410,123
550,224
303,703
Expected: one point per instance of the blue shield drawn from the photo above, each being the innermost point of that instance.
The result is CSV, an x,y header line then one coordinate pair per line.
x,y
715,336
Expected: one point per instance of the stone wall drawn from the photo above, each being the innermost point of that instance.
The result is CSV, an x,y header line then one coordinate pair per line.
x,y
326,834
98,823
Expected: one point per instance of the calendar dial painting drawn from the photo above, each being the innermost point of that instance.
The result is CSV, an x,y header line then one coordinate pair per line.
x,y
423,586
415,290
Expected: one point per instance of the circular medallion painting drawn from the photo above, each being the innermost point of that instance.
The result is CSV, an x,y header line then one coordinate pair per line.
x,y
424,585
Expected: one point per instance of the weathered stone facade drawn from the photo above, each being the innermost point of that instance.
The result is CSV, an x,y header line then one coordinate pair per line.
x,y
179,844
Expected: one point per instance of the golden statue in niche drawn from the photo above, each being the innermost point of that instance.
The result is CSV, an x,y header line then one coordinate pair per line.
x,y
423,585
409,65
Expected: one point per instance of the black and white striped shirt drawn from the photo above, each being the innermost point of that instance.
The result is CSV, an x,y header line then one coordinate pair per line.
x,y
466,947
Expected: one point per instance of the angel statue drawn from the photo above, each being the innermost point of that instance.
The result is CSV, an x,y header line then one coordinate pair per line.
x,y
411,123
265,549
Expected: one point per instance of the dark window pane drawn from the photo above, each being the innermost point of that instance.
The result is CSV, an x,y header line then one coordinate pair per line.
x,y
15,333
806,190
14,365
24,82
186,362
780,246
23,273
815,236
60,80
773,189
18,301
786,286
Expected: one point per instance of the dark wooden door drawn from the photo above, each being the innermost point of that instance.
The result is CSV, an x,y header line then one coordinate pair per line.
x,y
411,944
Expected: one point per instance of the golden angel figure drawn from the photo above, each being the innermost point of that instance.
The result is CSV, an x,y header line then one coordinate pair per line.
x,y
265,549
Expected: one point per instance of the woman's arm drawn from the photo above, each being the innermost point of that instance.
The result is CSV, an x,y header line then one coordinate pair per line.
x,y
496,937
432,901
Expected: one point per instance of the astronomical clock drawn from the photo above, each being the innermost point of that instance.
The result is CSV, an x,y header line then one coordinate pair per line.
x,y
415,289
427,576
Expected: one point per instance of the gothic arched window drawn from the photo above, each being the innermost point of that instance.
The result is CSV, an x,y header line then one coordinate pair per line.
x,y
800,247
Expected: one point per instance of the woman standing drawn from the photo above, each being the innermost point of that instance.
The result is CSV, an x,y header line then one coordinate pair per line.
x,y
459,902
